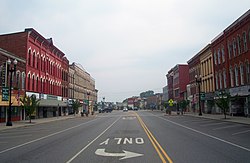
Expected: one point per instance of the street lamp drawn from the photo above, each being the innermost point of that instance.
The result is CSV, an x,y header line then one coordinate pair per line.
x,y
11,70
88,93
198,81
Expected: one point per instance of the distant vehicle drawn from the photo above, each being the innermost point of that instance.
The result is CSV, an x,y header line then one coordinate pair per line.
x,y
135,108
108,110
101,110
125,109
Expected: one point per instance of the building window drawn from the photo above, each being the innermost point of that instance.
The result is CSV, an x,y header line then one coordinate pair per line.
x,y
23,80
17,79
33,83
218,56
223,54
216,81
215,58
38,62
29,86
41,84
37,87
34,59
229,47
29,57
239,44
225,79
231,77
248,72
220,79
241,74
236,75
234,47
245,41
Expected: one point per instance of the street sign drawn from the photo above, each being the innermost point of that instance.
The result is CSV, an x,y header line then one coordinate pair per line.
x,y
170,102
5,93
4,75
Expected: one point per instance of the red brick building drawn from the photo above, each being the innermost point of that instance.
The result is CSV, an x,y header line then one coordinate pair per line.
x,y
18,86
178,79
231,52
46,69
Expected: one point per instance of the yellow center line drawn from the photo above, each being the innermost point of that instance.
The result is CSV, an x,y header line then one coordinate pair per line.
x,y
154,142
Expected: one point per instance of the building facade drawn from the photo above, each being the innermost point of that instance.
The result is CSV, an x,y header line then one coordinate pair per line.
x,y
82,87
232,64
18,86
46,70
180,81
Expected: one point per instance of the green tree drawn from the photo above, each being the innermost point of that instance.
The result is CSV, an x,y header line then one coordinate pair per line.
x,y
75,105
183,105
29,103
222,101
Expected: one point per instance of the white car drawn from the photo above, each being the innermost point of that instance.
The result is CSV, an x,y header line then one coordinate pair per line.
x,y
125,109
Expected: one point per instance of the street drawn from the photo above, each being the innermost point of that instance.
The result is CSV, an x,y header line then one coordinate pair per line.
x,y
133,136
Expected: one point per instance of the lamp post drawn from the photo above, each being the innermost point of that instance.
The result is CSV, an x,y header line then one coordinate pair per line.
x,y
11,70
88,93
198,81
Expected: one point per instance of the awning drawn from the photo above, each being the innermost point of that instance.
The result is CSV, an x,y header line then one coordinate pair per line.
x,y
52,103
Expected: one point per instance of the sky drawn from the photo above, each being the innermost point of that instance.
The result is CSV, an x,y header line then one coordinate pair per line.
x,y
127,46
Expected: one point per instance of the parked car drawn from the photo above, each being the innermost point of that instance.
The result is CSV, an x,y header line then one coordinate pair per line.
x,y
125,109
101,110
135,108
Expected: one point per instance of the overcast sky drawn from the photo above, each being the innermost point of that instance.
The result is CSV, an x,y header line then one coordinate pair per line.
x,y
127,46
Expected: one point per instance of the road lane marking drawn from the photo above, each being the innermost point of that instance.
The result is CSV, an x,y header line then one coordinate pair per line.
x,y
14,136
213,124
44,137
76,155
154,142
124,155
242,132
202,133
226,127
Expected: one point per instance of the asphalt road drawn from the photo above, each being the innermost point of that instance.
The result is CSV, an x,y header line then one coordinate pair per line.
x,y
141,136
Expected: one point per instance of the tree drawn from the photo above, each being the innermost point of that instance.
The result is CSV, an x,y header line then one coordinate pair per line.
x,y
29,103
222,101
75,105
183,105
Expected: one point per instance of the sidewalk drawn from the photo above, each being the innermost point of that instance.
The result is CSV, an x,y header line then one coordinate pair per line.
x,y
237,119
17,124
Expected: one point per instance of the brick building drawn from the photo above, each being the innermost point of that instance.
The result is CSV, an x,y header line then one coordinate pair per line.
x,y
232,64
46,69
18,86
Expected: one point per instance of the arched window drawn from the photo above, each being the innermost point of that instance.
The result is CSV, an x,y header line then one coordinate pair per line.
x,y
37,86
33,82
18,79
38,61
29,84
234,47
23,80
244,41
34,59
239,44
29,57
225,78
229,47
236,73
222,54
41,83
231,76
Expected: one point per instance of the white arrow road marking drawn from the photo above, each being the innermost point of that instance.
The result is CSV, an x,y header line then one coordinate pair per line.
x,y
125,155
